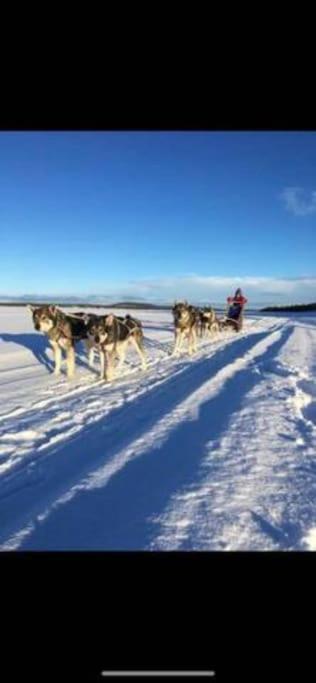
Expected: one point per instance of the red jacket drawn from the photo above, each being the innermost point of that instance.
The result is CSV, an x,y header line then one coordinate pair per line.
x,y
237,300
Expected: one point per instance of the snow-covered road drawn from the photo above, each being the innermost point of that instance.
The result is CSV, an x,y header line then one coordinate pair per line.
x,y
213,452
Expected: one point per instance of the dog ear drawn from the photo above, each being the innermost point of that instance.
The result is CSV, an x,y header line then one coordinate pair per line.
x,y
30,308
109,319
52,309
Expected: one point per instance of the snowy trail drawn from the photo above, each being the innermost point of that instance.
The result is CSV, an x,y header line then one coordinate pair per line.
x,y
257,486
213,452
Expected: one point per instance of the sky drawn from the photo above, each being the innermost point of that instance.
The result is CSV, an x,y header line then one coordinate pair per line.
x,y
159,215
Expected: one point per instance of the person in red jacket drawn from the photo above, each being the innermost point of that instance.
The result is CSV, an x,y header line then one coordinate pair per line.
x,y
236,304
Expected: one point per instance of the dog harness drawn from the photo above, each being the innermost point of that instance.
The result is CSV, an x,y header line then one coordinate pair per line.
x,y
57,332
117,324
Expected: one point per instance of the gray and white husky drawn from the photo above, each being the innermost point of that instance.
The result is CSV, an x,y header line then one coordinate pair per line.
x,y
208,321
63,332
186,320
112,335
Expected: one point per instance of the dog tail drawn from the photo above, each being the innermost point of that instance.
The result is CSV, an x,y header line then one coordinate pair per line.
x,y
134,320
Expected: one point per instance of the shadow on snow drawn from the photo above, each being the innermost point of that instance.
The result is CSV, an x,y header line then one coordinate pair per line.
x,y
118,516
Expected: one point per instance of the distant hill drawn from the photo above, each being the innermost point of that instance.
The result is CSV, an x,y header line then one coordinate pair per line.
x,y
84,304
135,304
290,309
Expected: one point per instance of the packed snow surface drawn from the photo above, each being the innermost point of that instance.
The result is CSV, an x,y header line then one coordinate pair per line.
x,y
210,452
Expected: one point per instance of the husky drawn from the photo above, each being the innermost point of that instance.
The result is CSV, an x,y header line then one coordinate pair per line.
x,y
208,321
111,335
186,319
63,332
93,322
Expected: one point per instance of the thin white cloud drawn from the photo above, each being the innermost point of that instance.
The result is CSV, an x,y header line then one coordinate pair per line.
x,y
216,289
299,202
212,289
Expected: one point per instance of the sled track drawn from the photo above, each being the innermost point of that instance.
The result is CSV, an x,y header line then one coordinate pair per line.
x,y
91,400
78,439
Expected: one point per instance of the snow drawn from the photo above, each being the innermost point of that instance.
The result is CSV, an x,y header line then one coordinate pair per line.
x,y
210,452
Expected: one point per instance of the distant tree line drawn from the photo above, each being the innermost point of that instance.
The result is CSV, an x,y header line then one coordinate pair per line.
x,y
293,308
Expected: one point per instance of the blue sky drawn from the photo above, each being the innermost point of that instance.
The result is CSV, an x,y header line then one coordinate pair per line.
x,y
159,215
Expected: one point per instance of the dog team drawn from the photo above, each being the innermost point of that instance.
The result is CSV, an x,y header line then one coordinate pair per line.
x,y
111,335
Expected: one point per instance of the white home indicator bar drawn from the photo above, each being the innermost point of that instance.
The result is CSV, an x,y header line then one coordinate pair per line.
x,y
158,673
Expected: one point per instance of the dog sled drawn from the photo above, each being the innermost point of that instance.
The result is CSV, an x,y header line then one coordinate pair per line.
x,y
234,317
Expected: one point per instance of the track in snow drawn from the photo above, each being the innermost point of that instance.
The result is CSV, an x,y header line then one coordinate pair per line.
x,y
169,458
